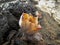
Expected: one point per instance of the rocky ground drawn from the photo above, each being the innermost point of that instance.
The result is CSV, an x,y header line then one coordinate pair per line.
x,y
10,30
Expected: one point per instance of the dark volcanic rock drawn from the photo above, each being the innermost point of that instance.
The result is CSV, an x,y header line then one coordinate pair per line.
x,y
12,21
17,9
3,25
0,9
4,1
11,34
7,23
20,42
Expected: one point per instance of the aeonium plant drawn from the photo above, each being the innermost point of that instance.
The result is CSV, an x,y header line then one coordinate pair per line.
x,y
29,24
